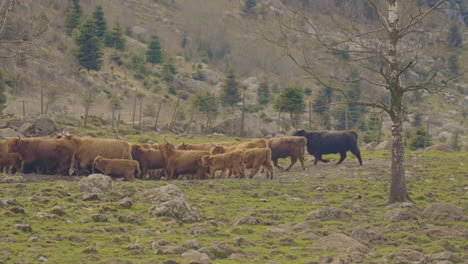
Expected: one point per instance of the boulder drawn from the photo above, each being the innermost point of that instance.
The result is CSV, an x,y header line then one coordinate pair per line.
x,y
384,145
366,234
328,213
399,214
230,127
43,126
170,202
9,133
444,211
341,242
406,255
211,77
193,85
247,220
439,147
96,183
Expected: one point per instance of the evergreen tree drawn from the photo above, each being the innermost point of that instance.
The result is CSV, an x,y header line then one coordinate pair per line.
x,y
454,38
3,98
453,64
169,70
354,94
263,93
417,120
89,52
154,53
72,16
291,100
115,39
455,142
230,94
249,5
100,20
321,106
418,138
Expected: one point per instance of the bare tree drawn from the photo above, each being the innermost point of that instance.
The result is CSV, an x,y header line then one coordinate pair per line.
x,y
87,94
328,43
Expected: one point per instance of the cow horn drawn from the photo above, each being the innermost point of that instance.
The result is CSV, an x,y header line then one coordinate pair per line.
x,y
19,137
213,144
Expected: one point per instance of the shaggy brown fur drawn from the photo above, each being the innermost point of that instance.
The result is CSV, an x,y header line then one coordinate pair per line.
x,y
128,169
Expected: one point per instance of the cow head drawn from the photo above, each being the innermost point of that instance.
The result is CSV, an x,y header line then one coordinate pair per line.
x,y
300,133
167,148
205,161
183,146
13,144
217,149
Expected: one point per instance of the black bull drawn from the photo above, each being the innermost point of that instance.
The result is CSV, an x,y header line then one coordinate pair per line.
x,y
328,142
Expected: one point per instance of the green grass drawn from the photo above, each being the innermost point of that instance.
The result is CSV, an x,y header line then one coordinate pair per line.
x,y
288,199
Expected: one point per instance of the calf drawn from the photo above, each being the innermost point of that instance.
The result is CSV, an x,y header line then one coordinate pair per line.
x,y
284,147
182,161
233,161
10,161
327,142
149,158
256,158
128,169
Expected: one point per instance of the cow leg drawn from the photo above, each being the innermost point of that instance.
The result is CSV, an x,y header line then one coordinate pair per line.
x,y
357,153
301,159
323,160
253,172
270,170
293,161
275,162
342,157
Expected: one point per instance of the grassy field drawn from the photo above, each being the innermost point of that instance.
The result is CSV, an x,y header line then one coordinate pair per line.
x,y
281,233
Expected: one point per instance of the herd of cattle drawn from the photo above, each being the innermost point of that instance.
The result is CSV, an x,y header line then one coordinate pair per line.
x,y
73,155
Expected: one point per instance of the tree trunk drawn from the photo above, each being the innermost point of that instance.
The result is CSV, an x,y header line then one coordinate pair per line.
x,y
139,119
118,119
113,118
242,115
398,191
310,115
174,116
346,117
157,116
134,110
427,134
42,99
85,121
24,110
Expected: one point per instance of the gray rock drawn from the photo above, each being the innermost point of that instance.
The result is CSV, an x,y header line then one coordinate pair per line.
x,y
446,255
10,133
399,214
366,234
90,250
43,126
46,216
341,242
242,242
221,249
443,211
132,218
99,218
384,145
96,183
247,220
133,247
405,255
170,202
211,77
440,147
24,227
32,239
90,197
328,213
192,244
42,259
171,250
228,127
126,203
158,243
58,210
196,257
4,203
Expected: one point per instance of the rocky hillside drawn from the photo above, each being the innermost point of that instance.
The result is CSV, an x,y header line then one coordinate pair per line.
x,y
202,38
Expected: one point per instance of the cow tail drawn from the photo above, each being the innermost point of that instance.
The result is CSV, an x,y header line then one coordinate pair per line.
x,y
71,170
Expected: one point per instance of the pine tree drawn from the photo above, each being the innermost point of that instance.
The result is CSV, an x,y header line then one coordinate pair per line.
x,y
454,38
100,20
454,65
291,100
321,106
249,5
263,93
89,52
230,94
354,94
417,140
72,16
169,70
154,53
3,98
115,39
